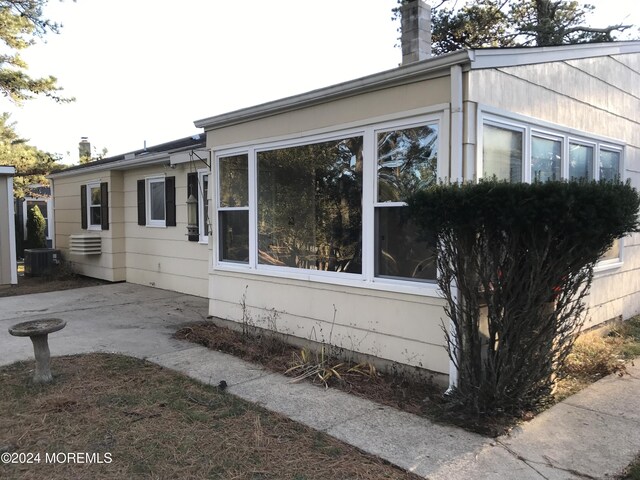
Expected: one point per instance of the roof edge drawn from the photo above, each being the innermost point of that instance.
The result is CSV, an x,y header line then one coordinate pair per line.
x,y
388,78
517,56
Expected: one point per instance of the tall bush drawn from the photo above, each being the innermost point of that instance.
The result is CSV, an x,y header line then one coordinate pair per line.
x,y
36,228
515,265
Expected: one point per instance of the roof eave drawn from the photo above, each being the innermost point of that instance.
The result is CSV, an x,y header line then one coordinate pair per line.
x,y
398,76
126,163
512,57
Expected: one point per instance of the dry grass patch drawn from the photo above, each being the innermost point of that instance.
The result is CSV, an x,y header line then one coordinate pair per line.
x,y
158,424
599,353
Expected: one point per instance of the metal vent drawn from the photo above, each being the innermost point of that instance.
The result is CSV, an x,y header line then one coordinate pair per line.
x,y
85,244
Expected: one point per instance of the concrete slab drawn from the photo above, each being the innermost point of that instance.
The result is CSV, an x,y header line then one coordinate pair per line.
x,y
311,405
411,442
490,462
624,403
578,440
594,434
209,366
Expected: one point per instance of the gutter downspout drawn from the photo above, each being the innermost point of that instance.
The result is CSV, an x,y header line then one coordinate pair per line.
x,y
456,176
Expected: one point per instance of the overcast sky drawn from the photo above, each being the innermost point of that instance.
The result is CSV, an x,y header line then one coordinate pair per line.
x,y
144,70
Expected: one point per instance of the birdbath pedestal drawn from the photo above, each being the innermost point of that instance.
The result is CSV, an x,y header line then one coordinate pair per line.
x,y
38,331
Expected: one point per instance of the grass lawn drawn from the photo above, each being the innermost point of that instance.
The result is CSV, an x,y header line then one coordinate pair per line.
x,y
154,423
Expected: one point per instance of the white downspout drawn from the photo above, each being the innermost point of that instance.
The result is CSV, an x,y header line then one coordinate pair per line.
x,y
456,175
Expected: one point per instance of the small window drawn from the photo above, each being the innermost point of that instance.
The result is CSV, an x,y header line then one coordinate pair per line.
x,y
156,203
546,159
502,153
580,161
609,164
94,202
94,206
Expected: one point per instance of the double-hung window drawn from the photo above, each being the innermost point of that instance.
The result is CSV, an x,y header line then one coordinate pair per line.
x,y
407,163
332,206
94,206
519,150
203,206
157,201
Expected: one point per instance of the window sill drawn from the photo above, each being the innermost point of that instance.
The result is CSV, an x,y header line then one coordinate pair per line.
x,y
604,268
94,228
159,225
422,289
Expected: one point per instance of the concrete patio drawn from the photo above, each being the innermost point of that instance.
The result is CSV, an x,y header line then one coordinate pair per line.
x,y
593,434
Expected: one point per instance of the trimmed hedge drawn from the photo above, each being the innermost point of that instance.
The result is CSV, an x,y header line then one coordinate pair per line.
x,y
515,265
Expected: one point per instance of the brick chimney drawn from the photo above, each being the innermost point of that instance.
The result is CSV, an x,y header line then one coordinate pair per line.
x,y
416,31
84,147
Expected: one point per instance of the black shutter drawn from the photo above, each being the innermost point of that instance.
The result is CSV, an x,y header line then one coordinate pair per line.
x,y
83,206
104,205
192,188
142,210
170,197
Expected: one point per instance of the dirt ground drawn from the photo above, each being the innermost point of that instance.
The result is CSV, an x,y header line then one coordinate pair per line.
x,y
28,285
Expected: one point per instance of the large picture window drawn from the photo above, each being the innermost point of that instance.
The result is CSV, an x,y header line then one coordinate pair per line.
x,y
310,206
333,207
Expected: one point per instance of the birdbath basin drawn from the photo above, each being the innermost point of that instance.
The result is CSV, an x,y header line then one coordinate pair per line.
x,y
38,331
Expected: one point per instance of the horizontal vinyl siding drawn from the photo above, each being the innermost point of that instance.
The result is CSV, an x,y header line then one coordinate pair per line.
x,y
595,95
397,327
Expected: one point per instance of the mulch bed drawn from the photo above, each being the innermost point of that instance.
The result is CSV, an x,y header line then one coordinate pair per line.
x,y
412,394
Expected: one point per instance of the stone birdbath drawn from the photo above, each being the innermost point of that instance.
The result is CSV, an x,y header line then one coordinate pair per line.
x,y
38,331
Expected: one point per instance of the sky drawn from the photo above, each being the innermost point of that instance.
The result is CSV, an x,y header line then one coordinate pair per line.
x,y
145,70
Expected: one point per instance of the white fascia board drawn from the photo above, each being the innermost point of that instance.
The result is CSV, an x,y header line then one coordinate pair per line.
x,y
7,170
433,67
511,57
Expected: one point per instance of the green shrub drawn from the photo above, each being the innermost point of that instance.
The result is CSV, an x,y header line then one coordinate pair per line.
x,y
36,229
515,264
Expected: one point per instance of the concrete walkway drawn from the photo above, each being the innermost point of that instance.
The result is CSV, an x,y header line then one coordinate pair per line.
x,y
593,434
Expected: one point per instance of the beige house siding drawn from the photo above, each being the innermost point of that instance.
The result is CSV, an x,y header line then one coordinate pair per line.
x,y
600,96
110,264
160,257
395,326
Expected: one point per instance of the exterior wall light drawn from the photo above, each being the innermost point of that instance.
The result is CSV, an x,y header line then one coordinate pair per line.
x,y
192,215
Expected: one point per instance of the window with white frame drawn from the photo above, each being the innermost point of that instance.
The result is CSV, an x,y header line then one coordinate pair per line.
x,y
543,153
407,162
94,204
156,202
330,206
203,205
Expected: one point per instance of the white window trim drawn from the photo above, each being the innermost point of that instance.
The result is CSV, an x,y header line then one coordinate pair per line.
x,y
93,226
367,278
534,127
203,223
150,222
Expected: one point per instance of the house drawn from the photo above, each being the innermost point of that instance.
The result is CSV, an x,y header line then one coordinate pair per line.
x,y
8,267
309,235
123,218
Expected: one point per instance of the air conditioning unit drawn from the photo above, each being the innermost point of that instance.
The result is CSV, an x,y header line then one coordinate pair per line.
x,y
40,262
85,244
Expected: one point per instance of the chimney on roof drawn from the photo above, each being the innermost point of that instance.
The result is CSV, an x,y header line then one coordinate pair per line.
x,y
415,26
84,147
